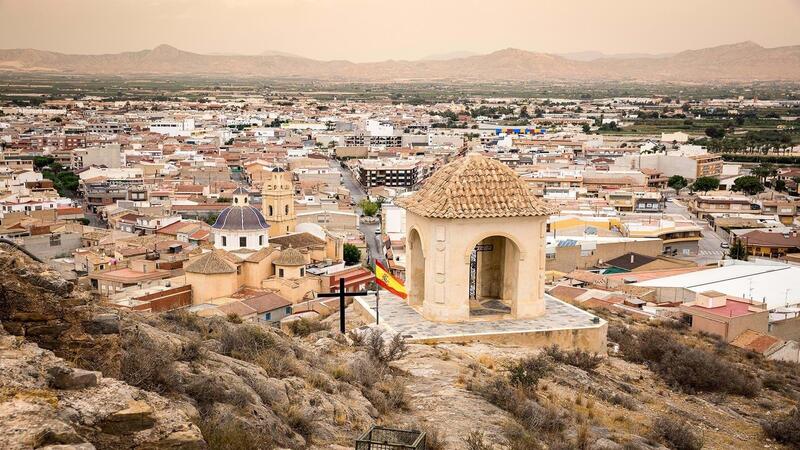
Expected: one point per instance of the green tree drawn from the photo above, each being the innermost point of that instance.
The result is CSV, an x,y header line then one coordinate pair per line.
x,y
715,132
738,250
369,208
211,219
764,171
586,128
705,184
352,254
42,161
677,182
748,184
780,185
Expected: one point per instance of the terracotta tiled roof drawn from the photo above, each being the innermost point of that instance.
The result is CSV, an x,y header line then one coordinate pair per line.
x,y
297,240
755,341
267,302
290,257
474,187
211,263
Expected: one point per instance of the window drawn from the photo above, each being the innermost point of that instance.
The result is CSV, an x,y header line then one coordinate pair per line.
x,y
286,209
268,316
288,310
242,241
224,241
280,273
261,240
270,210
55,240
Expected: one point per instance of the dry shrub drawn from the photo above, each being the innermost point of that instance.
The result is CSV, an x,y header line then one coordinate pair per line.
x,y
192,350
365,372
228,434
577,358
245,342
357,337
319,381
277,363
379,350
518,402
146,363
303,327
497,391
186,320
434,439
528,371
476,440
626,401
676,434
395,393
519,438
774,382
205,391
232,317
785,429
692,369
299,421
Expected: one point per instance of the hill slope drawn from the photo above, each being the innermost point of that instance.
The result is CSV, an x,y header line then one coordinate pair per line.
x,y
744,61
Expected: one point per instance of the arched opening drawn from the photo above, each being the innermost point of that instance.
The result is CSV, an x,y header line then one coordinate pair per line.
x,y
493,270
415,269
286,209
270,210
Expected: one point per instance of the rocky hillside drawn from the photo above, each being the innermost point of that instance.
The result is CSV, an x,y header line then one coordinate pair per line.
x,y
744,61
75,373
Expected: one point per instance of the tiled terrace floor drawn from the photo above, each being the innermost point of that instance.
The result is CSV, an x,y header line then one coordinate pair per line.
x,y
397,315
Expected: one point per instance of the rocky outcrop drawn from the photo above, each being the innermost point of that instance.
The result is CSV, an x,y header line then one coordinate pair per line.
x,y
38,304
45,403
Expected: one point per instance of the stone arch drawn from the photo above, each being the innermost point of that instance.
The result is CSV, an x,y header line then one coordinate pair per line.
x,y
475,241
494,273
415,265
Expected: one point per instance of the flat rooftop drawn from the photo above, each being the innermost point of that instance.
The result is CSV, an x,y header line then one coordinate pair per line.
x,y
405,320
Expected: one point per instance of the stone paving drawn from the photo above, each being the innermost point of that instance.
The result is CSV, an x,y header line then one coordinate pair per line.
x,y
397,315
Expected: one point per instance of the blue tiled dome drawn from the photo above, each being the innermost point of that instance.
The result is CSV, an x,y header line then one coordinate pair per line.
x,y
240,218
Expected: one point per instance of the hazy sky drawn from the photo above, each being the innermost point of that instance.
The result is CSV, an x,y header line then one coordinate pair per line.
x,y
368,30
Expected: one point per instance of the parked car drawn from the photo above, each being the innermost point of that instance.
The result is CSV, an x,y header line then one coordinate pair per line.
x,y
724,245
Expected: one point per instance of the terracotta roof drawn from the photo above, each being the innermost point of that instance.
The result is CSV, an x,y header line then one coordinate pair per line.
x,y
259,255
238,308
297,240
769,239
267,302
211,263
290,257
753,340
568,293
474,187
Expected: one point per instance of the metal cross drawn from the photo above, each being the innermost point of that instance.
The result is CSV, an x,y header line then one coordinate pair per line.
x,y
342,294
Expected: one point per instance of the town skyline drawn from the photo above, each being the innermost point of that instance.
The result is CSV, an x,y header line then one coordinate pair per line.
x,y
360,31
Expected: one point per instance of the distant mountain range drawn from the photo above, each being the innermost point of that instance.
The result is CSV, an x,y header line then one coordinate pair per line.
x,y
745,61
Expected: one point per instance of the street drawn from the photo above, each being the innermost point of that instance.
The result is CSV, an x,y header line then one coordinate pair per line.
x,y
710,250
373,240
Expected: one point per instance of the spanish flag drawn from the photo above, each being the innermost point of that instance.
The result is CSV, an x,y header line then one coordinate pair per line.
x,y
388,282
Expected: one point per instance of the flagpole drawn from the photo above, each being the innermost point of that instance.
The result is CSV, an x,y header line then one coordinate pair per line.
x,y
377,304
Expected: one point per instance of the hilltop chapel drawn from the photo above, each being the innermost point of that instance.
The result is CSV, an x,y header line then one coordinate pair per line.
x,y
476,243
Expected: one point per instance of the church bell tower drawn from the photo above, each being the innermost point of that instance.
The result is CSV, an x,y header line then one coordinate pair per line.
x,y
277,202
